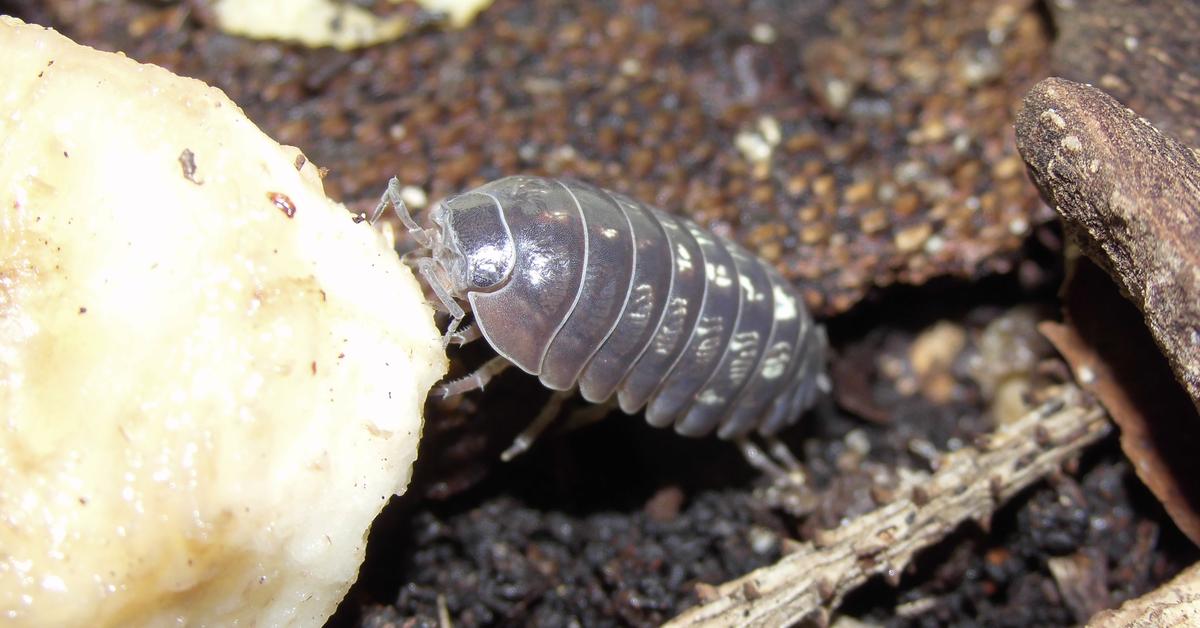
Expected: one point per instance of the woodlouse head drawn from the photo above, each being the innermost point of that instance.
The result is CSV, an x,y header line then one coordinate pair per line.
x,y
476,249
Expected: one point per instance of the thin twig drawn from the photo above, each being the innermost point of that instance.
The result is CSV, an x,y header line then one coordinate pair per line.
x,y
1174,604
970,484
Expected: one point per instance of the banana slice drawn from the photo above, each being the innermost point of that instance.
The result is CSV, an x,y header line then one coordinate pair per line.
x,y
211,377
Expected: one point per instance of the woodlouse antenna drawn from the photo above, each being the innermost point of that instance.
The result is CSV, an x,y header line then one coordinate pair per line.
x,y
392,196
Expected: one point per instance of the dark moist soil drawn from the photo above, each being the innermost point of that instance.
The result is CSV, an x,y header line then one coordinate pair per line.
x,y
895,165
615,523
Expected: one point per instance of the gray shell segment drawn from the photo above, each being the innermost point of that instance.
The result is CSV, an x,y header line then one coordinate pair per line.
x,y
647,300
746,346
776,365
683,305
808,351
615,296
709,339
608,269
520,319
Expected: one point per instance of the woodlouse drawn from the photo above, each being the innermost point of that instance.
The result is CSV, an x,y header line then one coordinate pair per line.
x,y
586,287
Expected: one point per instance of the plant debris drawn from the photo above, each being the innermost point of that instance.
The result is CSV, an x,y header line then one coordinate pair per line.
x,y
1131,378
1176,604
969,484
1129,195
1144,54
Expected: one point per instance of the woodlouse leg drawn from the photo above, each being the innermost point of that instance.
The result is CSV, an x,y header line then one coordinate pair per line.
x,y
789,488
780,464
531,432
590,414
760,460
783,454
464,335
476,380
429,271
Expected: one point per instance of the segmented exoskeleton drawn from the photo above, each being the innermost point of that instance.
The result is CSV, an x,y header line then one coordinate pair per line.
x,y
585,287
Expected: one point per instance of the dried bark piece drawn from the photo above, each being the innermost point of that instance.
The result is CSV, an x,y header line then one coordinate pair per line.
x,y
970,484
1144,53
1133,381
1130,196
1176,603
1081,579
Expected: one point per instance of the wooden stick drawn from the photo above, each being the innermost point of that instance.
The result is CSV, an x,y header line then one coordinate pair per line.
x,y
970,484
1130,196
1174,604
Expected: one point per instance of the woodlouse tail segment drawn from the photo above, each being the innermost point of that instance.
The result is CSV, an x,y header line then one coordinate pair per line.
x,y
392,196
814,382
824,384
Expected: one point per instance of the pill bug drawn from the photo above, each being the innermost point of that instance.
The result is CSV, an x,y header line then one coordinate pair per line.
x,y
585,287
